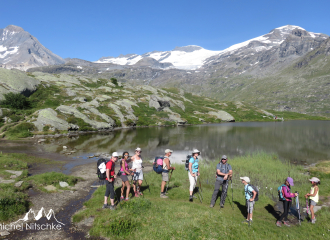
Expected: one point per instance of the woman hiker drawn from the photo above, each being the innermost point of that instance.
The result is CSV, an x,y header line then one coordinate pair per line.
x,y
138,174
125,171
193,172
286,192
313,196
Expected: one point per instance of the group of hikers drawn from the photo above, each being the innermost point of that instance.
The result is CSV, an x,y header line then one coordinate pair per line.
x,y
224,174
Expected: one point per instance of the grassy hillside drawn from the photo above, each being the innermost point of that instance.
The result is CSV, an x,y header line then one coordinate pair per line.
x,y
65,103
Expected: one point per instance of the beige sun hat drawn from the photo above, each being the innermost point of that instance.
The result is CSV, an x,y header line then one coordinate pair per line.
x,y
314,179
168,151
196,151
246,179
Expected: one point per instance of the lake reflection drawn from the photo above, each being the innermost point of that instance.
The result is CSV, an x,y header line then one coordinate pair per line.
x,y
293,140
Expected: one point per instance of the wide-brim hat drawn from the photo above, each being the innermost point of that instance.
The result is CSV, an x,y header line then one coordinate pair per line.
x,y
196,151
138,149
314,179
168,151
115,154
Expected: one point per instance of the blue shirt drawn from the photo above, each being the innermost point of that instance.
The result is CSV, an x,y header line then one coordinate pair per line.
x,y
224,168
248,190
194,166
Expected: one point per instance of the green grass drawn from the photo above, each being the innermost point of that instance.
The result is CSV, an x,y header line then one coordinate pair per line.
x,y
21,130
52,178
177,218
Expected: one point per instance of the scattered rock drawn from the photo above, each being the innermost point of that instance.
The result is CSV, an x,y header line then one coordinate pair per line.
x,y
158,103
64,184
50,188
6,181
65,147
17,173
80,99
70,92
4,233
18,184
13,176
41,140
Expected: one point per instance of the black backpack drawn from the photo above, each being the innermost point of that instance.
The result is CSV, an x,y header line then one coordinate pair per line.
x,y
251,193
187,162
101,176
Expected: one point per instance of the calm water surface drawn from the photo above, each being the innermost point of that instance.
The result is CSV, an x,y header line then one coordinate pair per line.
x,y
301,141
293,140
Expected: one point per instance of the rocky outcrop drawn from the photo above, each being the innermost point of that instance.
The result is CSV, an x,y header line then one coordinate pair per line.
x,y
158,103
175,117
17,82
73,111
127,104
224,116
49,117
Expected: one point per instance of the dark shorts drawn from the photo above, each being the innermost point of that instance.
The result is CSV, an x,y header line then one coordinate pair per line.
x,y
110,189
124,178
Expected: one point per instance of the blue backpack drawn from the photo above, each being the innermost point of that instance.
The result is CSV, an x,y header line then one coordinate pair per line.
x,y
158,168
280,193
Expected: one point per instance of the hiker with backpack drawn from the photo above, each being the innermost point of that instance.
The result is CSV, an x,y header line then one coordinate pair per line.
x,y
124,172
110,179
223,174
285,196
313,196
166,168
193,172
138,173
250,196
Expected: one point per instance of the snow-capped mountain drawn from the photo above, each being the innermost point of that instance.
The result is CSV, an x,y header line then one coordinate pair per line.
x,y
19,49
188,57
193,57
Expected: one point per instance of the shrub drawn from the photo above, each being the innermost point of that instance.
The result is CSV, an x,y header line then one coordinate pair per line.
x,y
46,128
15,101
53,178
12,203
114,81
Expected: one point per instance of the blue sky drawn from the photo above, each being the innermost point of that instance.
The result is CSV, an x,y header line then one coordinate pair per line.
x,y
92,29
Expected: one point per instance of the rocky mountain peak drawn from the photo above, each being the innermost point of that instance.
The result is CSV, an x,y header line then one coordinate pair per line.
x,y
13,28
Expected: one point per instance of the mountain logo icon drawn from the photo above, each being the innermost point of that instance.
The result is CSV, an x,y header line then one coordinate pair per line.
x,y
30,215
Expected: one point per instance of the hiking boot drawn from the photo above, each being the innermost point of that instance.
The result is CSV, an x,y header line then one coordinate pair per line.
x,y
126,199
279,224
313,221
190,198
286,223
211,205
121,198
245,222
112,207
136,194
105,206
162,195
221,206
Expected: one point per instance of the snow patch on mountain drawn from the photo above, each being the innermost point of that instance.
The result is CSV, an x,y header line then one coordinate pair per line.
x,y
7,51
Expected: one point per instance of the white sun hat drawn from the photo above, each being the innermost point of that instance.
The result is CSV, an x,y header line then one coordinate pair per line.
x,y
246,179
196,151
115,154
138,149
314,179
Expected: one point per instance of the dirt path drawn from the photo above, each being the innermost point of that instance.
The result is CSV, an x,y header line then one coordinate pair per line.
x,y
64,204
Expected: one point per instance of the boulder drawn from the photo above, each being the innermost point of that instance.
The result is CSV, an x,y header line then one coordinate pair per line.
x,y
17,173
49,117
127,104
50,188
224,116
158,102
17,82
80,99
73,111
70,92
18,184
64,184
175,117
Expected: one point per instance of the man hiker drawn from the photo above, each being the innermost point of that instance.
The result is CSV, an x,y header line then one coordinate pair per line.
x,y
250,195
224,172
110,188
166,167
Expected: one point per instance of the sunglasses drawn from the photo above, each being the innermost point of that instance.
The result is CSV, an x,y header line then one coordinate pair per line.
x,y
126,155
224,159
138,151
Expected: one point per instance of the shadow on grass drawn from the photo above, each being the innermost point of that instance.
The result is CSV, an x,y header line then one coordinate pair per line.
x,y
241,207
272,211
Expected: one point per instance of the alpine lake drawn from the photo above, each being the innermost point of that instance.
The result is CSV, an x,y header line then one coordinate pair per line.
x,y
300,142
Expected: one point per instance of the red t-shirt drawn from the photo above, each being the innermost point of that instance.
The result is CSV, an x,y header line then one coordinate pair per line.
x,y
110,165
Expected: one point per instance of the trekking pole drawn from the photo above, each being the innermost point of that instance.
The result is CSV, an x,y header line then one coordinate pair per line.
x,y
169,181
199,193
249,212
307,207
146,182
298,208
232,191
200,185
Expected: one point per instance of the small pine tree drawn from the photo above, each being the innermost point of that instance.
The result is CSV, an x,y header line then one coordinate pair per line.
x,y
114,81
15,101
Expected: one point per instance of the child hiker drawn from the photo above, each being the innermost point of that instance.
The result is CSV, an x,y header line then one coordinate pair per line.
x,y
313,196
250,195
287,201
